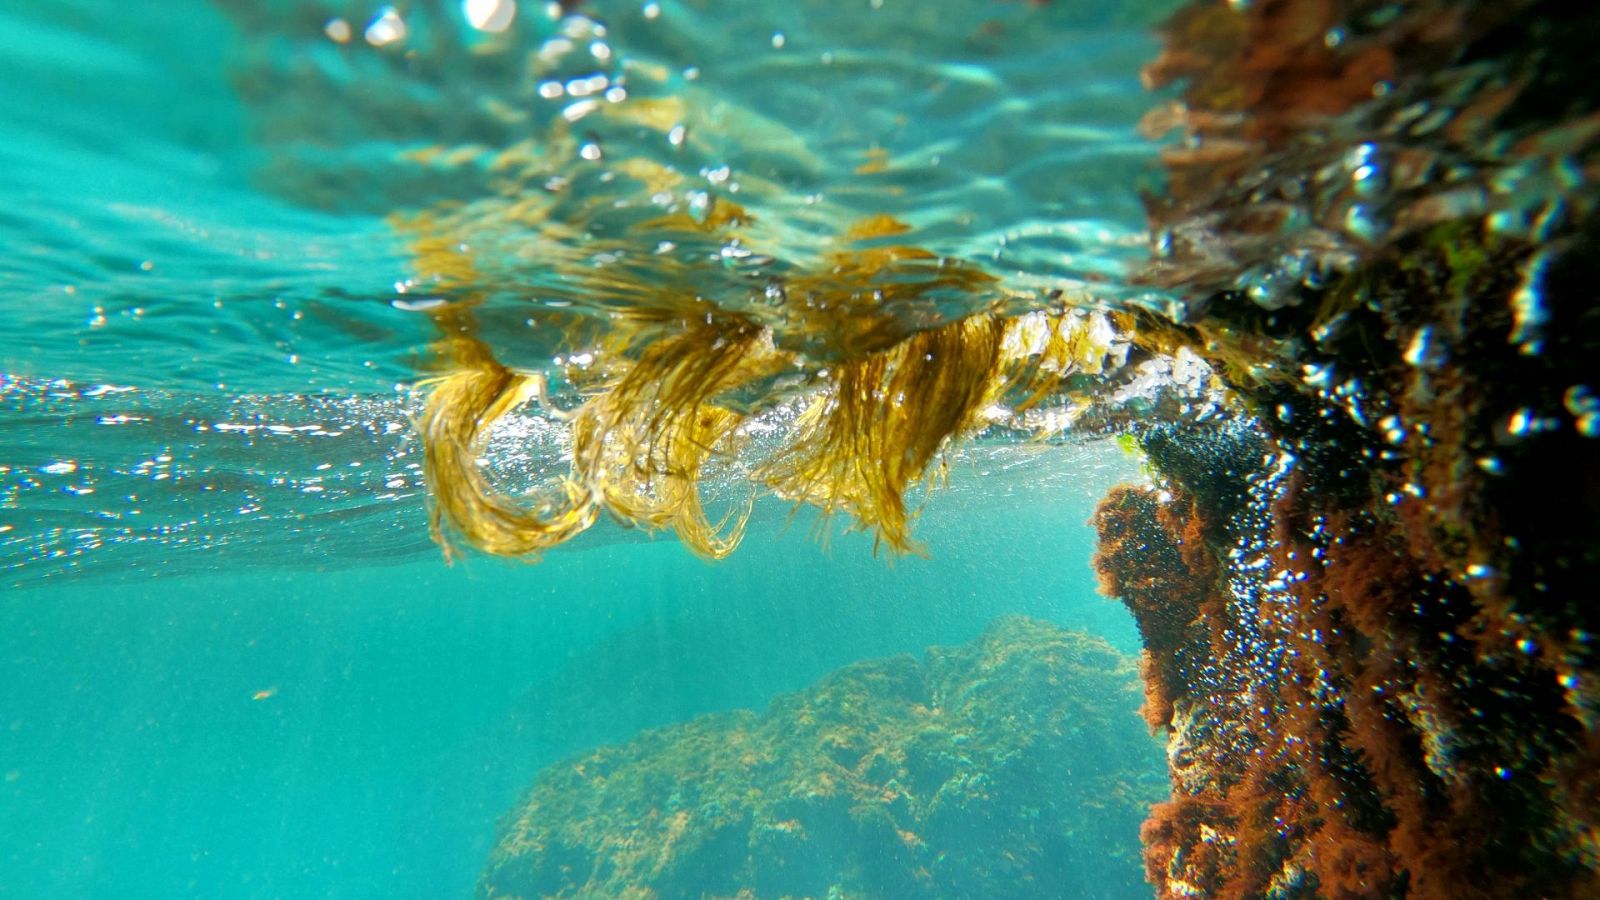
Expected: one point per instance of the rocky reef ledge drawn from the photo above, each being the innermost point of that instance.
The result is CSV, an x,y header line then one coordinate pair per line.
x,y
1013,766
1367,593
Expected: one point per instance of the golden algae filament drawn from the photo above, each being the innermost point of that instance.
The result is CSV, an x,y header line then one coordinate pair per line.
x,y
890,350
875,426
455,424
885,418
643,442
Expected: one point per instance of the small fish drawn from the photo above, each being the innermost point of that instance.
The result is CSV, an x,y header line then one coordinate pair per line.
x,y
262,695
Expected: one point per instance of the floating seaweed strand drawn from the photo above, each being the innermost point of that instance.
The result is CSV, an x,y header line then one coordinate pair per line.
x,y
886,419
904,351
639,444
644,442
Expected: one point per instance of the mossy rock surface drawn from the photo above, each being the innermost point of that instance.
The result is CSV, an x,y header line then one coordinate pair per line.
x,y
1014,766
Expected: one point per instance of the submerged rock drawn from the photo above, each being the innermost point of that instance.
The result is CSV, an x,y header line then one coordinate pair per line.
x,y
1010,767
1372,646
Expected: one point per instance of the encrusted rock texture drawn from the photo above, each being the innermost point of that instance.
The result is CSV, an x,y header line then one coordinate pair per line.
x,y
1368,597
1014,766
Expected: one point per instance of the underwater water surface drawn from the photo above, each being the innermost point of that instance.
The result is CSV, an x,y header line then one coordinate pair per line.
x,y
239,238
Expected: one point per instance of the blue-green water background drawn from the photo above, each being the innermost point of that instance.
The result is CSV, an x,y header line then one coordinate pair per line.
x,y
158,572
413,703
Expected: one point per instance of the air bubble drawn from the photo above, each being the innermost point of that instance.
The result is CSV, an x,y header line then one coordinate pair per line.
x,y
1584,406
386,28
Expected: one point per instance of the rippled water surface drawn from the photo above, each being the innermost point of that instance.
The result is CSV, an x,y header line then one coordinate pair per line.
x,y
216,293
228,230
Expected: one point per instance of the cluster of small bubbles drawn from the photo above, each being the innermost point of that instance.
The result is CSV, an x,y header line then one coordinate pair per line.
x,y
1263,594
1317,375
1393,429
1529,315
156,468
1351,393
699,205
578,87
1525,422
1277,285
148,488
1259,612
1529,197
1584,406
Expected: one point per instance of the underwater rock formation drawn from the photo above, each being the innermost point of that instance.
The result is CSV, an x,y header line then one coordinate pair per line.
x,y
1009,767
1363,580
1376,656
1153,555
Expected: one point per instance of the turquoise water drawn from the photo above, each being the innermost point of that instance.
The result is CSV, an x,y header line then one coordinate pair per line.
x,y
232,663
413,703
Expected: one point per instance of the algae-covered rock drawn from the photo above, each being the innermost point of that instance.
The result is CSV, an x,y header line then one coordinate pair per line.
x,y
1014,766
1374,645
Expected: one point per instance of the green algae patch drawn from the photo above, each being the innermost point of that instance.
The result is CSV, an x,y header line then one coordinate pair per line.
x,y
1013,766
